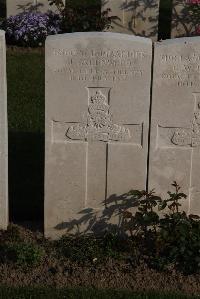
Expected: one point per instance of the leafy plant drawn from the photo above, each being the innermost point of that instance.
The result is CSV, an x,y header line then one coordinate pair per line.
x,y
171,239
82,15
145,220
179,234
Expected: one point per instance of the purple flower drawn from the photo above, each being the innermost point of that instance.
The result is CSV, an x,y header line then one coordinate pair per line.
x,y
31,28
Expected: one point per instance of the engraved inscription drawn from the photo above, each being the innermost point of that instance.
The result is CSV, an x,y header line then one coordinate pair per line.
x,y
182,70
99,65
115,53
99,125
190,137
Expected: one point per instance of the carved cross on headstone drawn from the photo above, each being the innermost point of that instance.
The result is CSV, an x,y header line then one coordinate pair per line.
x,y
185,138
98,131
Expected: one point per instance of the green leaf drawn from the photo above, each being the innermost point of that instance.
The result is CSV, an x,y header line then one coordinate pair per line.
x,y
182,195
195,217
162,205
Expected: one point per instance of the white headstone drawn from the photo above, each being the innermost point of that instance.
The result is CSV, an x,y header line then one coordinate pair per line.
x,y
137,17
15,7
175,124
3,137
97,119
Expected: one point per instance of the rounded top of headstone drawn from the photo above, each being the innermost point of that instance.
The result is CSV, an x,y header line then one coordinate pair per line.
x,y
179,40
100,35
2,32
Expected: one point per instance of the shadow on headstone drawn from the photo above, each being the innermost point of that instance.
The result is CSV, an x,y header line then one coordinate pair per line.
x,y
139,11
29,7
108,219
138,14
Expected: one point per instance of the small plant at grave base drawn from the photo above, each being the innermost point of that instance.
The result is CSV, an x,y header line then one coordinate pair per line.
x,y
23,254
145,220
172,240
179,235
167,241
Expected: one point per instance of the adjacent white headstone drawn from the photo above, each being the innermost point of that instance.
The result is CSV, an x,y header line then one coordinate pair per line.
x,y
175,124
3,137
15,7
137,17
97,119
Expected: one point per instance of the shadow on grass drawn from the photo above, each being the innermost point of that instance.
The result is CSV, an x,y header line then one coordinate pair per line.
x,y
26,176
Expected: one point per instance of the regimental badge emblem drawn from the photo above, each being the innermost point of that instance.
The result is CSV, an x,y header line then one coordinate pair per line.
x,y
183,137
99,124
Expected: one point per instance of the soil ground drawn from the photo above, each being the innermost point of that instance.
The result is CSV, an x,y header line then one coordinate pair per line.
x,y
109,273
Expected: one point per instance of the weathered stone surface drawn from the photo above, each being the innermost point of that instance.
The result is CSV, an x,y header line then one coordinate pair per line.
x,y
184,20
15,7
97,111
137,17
175,124
3,137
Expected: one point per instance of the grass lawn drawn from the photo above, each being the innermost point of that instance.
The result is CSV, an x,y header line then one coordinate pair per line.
x,y
25,91
27,293
25,76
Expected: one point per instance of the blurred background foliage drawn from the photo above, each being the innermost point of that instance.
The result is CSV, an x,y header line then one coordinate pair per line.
x,y
164,14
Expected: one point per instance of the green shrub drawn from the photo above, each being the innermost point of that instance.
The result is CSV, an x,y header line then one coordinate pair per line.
x,y
82,15
169,240
23,254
